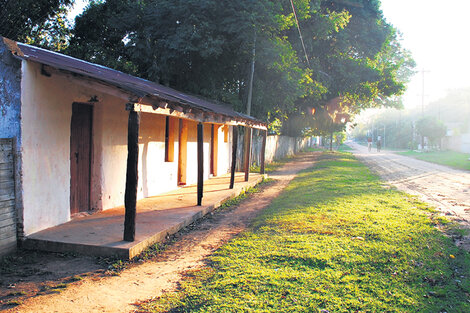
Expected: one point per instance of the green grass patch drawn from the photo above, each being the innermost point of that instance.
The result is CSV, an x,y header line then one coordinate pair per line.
x,y
344,147
271,166
315,149
334,241
449,158
244,194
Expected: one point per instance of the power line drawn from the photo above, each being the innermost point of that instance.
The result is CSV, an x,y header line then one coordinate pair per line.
x,y
300,33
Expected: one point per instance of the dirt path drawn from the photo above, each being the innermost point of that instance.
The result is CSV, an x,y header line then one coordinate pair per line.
x,y
150,279
446,188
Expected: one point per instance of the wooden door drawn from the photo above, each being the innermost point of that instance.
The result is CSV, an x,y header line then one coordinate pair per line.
x,y
80,157
182,152
214,149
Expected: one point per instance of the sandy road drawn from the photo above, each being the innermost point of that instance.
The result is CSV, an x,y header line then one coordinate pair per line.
x,y
446,188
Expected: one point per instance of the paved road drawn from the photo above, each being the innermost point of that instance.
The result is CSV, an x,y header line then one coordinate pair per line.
x,y
446,188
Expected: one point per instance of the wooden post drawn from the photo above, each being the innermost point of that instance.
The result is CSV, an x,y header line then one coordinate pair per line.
x,y
200,162
234,155
263,152
130,196
247,152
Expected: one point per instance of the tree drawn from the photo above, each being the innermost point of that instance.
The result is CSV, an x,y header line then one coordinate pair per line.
x,y
361,63
202,47
38,22
205,47
394,125
431,128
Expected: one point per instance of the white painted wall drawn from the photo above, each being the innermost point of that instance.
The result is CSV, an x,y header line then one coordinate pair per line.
x,y
155,175
224,152
45,126
46,116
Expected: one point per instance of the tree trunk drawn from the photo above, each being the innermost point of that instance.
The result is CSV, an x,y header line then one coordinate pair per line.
x,y
331,141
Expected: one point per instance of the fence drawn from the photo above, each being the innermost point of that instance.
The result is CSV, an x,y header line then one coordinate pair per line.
x,y
277,147
7,198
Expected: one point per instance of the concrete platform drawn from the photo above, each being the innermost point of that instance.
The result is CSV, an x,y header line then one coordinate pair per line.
x,y
159,216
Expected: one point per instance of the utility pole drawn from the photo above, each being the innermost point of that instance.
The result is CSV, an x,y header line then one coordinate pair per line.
x,y
423,72
248,131
384,137
252,74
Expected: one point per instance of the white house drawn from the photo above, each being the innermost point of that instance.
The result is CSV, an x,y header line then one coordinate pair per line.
x,y
73,123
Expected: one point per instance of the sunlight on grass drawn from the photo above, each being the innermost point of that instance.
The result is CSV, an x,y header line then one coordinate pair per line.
x,y
449,158
272,166
334,241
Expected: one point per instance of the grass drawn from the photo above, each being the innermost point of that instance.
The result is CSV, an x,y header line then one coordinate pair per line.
x,y
244,194
449,158
335,241
344,147
271,166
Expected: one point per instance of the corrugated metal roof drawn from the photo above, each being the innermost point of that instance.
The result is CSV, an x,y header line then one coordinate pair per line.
x,y
137,86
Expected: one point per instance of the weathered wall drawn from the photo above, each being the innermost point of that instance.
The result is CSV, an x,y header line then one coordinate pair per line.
x,y
459,143
10,111
7,198
224,159
10,94
277,147
191,174
156,175
46,118
46,115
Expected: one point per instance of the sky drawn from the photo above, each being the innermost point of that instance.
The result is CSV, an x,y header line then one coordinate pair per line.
x,y
78,8
435,32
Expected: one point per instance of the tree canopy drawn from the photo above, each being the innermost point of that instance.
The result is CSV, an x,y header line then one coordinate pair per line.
x,y
350,57
431,128
38,22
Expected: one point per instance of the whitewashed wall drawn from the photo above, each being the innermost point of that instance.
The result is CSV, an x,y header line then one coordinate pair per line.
x,y
46,118
277,147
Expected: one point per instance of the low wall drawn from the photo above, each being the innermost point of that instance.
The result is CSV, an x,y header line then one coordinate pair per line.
x,y
459,143
277,147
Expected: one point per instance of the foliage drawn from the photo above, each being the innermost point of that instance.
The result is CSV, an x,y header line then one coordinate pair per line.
x,y
202,47
431,128
454,159
339,138
395,127
205,47
334,241
38,22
